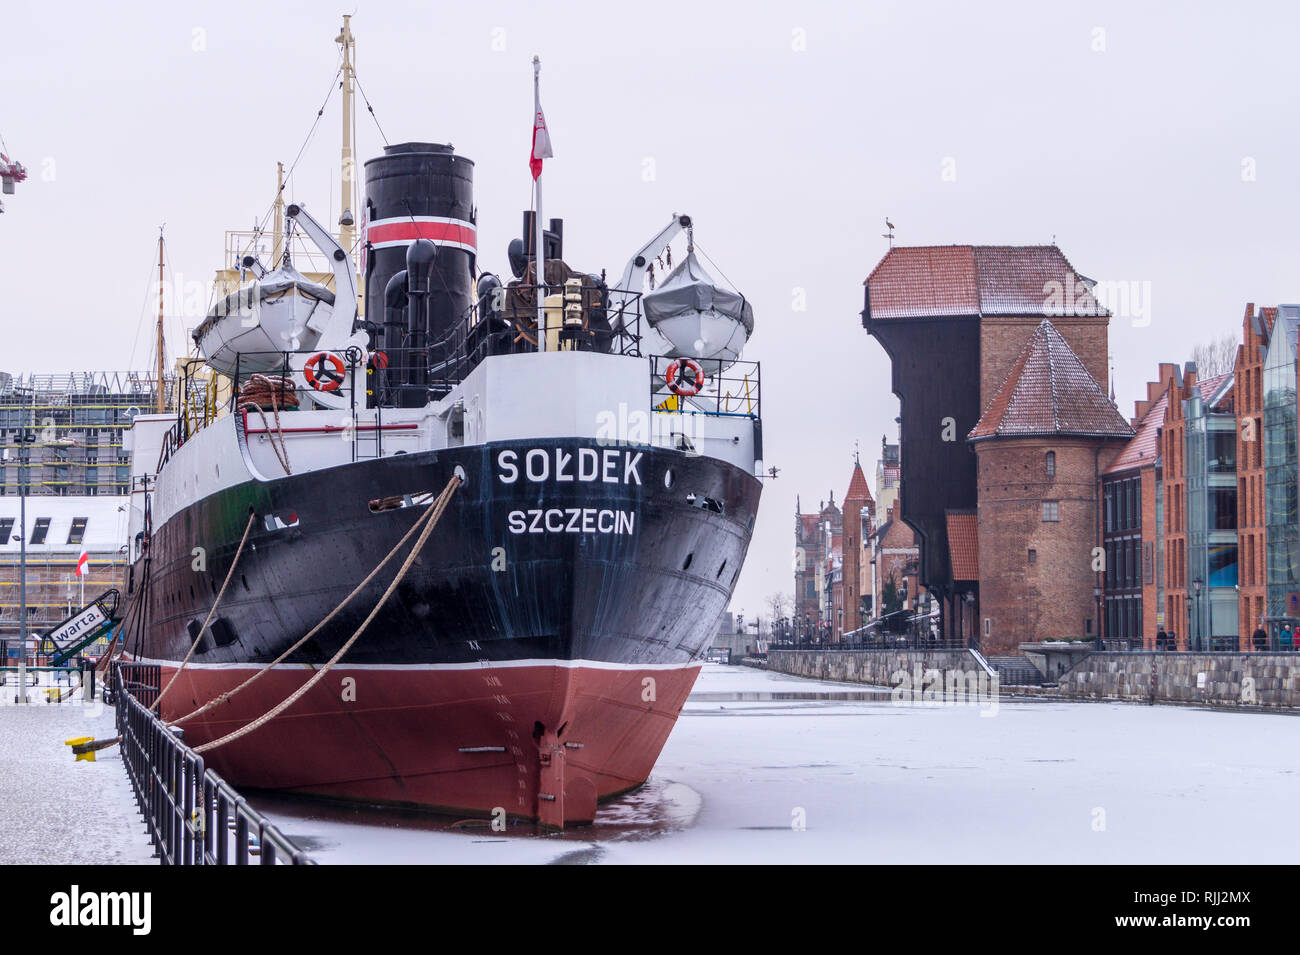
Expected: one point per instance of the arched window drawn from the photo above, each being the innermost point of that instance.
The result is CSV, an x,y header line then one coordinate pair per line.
x,y
1051,464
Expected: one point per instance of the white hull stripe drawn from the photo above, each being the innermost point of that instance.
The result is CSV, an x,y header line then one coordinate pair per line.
x,y
412,667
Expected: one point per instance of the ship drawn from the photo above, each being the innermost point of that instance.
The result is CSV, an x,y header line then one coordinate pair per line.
x,y
593,448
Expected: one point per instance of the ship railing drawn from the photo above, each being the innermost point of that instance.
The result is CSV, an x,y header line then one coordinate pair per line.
x,y
306,257
827,640
193,816
733,391
504,322
196,404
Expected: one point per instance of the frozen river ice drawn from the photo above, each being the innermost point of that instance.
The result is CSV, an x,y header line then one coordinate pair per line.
x,y
764,767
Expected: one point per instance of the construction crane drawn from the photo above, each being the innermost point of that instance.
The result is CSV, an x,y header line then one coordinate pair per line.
x,y
11,172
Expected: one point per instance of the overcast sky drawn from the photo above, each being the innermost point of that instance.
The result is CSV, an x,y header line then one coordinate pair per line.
x,y
1158,144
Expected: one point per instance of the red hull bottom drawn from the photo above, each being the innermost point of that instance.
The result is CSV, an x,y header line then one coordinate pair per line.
x,y
535,740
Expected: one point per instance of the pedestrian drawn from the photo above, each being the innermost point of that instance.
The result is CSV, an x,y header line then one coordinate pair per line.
x,y
1284,638
1260,638
1162,639
1171,640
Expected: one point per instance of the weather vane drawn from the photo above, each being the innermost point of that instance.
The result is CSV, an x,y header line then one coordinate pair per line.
x,y
890,234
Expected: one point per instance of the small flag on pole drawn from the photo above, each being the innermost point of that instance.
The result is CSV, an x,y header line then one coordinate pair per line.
x,y
541,136
83,564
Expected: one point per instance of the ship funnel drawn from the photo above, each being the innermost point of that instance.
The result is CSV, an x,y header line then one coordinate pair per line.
x,y
422,191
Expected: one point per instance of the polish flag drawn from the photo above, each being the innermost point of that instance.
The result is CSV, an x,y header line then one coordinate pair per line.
x,y
541,137
83,564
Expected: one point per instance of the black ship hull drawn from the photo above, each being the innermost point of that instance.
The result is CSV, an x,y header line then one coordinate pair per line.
x,y
587,580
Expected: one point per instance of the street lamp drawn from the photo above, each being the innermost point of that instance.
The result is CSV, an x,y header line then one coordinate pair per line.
x,y
1096,595
1200,635
841,623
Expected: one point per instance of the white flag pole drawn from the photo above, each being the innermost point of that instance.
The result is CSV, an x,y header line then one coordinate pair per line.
x,y
539,252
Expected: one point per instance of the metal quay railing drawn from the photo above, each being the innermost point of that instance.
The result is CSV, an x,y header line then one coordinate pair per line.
x,y
194,817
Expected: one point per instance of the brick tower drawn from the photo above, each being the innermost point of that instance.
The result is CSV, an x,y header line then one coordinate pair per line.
x,y
1041,445
857,506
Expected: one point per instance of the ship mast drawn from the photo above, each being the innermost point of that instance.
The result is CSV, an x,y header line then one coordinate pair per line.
x,y
348,42
277,213
160,405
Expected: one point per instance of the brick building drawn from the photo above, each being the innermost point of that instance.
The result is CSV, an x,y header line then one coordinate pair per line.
x,y
1256,327
1133,525
1201,525
1041,445
1039,511
959,324
858,509
817,558
896,559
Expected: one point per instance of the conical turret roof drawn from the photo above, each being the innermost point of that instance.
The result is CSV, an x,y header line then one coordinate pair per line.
x,y
1049,392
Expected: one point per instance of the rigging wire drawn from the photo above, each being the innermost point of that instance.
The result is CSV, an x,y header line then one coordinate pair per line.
x,y
265,218
733,285
370,109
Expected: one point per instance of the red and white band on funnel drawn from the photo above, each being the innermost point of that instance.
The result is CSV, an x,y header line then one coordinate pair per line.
x,y
390,233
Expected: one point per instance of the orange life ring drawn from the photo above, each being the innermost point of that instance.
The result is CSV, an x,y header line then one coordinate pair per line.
x,y
324,371
685,377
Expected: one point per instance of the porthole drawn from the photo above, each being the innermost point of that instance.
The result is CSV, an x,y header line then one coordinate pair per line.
x,y
668,478
686,565
718,576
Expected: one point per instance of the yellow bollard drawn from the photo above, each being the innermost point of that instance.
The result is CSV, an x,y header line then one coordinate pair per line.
x,y
81,741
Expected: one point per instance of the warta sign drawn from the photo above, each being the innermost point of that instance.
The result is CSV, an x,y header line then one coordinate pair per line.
x,y
83,622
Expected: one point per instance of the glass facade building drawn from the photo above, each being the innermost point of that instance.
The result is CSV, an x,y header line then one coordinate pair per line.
x,y
1280,467
1211,495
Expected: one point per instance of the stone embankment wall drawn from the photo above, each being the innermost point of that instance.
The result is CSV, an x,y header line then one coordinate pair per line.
x,y
1249,680
1225,679
877,667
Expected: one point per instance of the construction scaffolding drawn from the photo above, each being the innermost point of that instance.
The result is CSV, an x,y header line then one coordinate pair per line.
x,y
74,423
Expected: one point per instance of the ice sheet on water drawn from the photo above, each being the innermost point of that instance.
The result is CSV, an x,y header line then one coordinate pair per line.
x,y
875,781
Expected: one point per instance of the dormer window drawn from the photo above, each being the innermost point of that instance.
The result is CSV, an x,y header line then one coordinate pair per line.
x,y
1051,464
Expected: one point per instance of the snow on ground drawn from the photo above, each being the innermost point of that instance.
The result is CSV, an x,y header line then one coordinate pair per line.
x,y
56,810
876,781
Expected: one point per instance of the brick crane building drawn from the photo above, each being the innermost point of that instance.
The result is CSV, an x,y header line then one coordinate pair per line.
x,y
963,326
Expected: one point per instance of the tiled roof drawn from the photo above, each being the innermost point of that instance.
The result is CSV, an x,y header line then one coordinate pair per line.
x,y
1210,385
966,280
964,545
1145,447
858,490
924,281
1049,392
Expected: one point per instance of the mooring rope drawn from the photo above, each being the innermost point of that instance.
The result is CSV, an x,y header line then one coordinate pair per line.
x,y
276,392
431,519
218,700
226,583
